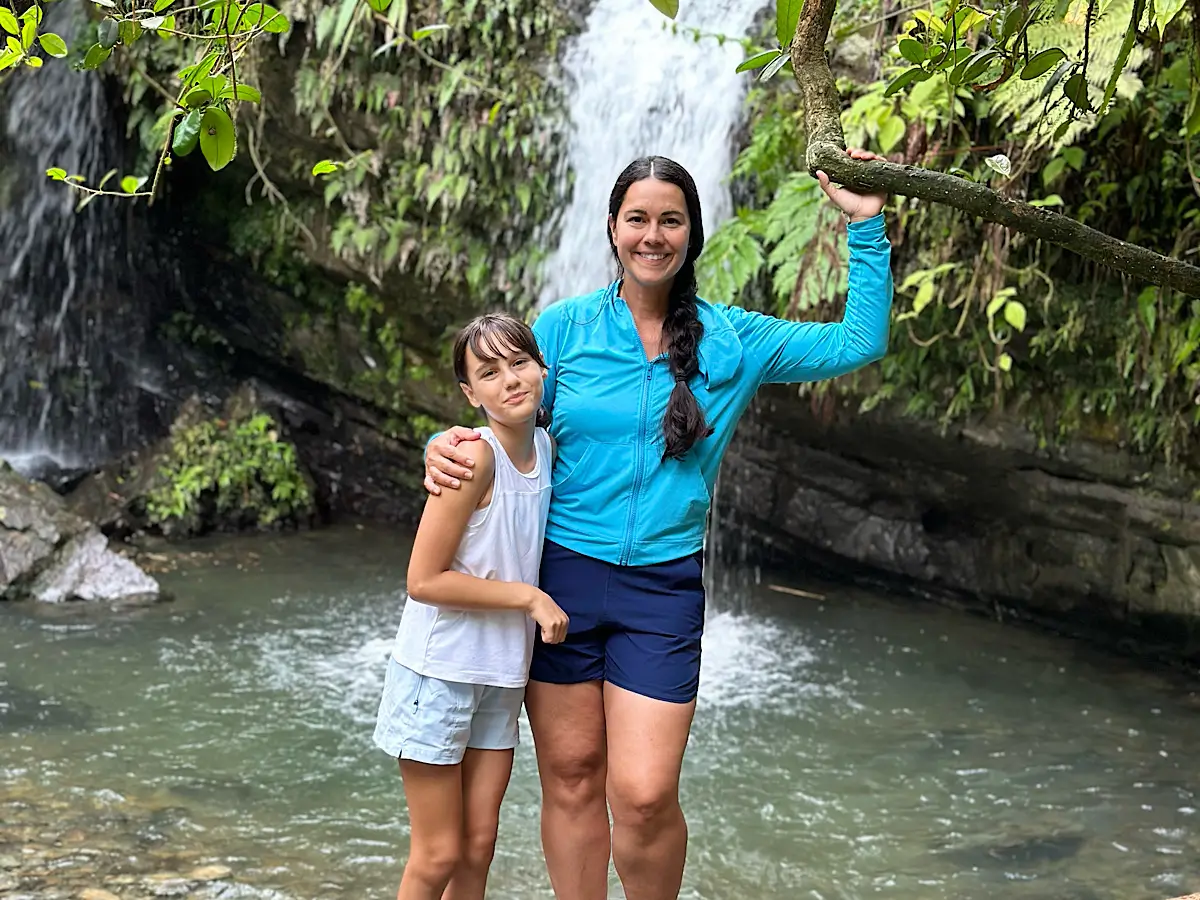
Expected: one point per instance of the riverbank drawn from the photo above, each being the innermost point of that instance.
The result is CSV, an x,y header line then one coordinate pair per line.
x,y
107,847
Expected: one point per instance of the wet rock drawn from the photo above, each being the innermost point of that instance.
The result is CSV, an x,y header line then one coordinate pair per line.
x,y
8,883
1083,538
1019,852
50,554
209,873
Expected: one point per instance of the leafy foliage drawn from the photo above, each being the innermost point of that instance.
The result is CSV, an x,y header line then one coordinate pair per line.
x,y
240,468
984,319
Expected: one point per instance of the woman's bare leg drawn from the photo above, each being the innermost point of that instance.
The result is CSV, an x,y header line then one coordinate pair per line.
x,y
646,741
568,735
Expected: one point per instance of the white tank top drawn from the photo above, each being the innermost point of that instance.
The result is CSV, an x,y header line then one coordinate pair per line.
x,y
502,541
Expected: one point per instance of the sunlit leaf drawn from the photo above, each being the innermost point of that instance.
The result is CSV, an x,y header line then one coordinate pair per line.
x,y
669,8
325,166
96,56
1014,314
218,142
8,21
1004,361
56,173
787,14
1131,36
757,61
428,30
53,45
999,163
379,5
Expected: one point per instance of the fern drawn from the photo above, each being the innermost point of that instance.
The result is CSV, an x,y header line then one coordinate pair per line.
x,y
1020,104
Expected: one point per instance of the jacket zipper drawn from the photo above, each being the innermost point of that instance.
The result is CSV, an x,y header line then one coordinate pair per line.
x,y
627,550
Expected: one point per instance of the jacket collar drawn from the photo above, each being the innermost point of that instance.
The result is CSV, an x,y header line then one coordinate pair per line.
x,y
720,352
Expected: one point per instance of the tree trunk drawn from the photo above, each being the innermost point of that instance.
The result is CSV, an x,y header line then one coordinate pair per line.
x,y
826,152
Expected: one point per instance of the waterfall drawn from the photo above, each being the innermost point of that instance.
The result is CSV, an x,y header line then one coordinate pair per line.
x,y
73,313
637,89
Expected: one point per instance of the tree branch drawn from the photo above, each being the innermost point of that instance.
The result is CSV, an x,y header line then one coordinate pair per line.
x,y
827,143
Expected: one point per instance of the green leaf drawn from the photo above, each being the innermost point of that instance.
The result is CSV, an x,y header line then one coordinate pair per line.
x,y
1053,169
428,30
103,181
153,23
1014,314
28,33
187,133
980,65
1041,63
243,92
913,51
905,78
758,60
924,297
33,14
1004,361
8,21
890,133
669,8
1051,200
1076,90
129,32
197,97
8,59
325,166
999,300
53,44
108,33
56,173
1131,35
379,5
96,56
787,14
774,66
262,15
1192,127
218,142
524,196
130,184
160,5
34,62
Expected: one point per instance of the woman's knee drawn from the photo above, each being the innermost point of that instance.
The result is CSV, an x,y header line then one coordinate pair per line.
x,y
640,801
575,775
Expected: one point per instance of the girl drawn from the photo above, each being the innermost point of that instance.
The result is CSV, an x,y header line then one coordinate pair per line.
x,y
647,384
456,677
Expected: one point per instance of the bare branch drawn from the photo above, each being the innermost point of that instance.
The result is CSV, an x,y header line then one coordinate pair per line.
x,y
827,143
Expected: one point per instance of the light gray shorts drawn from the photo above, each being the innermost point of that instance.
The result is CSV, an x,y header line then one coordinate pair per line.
x,y
434,721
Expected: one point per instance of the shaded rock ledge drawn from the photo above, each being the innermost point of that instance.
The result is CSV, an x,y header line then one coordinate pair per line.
x,y
1084,539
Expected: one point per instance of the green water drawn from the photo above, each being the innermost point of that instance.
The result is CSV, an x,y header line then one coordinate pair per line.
x,y
859,747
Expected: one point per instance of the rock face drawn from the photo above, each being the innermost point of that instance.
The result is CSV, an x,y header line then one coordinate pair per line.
x,y
48,553
981,517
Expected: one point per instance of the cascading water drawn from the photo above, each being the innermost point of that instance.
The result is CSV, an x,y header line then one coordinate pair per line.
x,y
637,89
73,306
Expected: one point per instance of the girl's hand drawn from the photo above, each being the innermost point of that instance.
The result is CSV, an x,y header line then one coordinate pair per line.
x,y
858,207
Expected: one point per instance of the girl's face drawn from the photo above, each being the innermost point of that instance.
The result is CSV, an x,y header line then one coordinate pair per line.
x,y
508,389
651,232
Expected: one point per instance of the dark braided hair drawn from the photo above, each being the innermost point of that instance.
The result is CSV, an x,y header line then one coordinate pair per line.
x,y
683,423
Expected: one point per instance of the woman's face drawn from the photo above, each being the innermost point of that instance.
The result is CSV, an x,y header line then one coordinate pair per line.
x,y
651,232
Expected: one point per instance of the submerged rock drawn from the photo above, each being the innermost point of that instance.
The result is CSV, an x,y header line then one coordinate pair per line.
x,y
48,553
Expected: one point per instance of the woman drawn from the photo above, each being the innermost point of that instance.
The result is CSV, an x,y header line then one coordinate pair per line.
x,y
647,383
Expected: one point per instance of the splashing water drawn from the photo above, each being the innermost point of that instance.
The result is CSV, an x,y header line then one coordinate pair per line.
x,y
638,89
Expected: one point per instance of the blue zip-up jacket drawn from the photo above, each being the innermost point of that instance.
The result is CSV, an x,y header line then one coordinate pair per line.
x,y
614,497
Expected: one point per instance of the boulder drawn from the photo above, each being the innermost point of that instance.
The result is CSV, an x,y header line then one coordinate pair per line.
x,y
50,554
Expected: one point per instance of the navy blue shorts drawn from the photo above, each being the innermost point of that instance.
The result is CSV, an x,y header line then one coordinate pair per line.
x,y
638,627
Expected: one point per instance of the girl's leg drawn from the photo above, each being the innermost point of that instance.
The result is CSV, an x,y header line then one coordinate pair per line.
x,y
646,741
485,775
435,803
568,735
